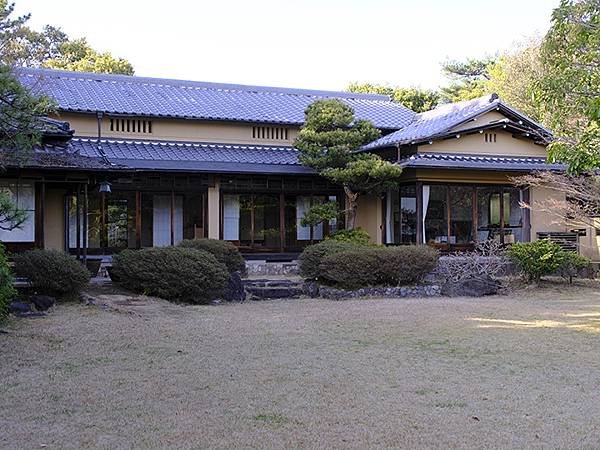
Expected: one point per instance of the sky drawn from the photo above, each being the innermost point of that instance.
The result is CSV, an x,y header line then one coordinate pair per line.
x,y
316,44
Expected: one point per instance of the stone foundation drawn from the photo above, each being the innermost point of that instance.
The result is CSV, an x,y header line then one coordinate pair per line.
x,y
425,290
272,268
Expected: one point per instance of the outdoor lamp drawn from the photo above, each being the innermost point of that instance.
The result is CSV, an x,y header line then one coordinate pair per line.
x,y
104,187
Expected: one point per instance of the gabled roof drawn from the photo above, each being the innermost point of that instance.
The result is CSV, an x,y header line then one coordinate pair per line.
x,y
479,162
156,97
191,157
439,122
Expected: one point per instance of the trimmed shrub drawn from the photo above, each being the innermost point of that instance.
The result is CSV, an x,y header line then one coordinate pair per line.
x,y
7,290
406,264
351,269
310,258
357,236
572,264
378,266
224,251
172,273
538,258
52,272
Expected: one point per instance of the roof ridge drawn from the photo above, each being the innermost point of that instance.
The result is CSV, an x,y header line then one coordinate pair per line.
x,y
179,143
208,85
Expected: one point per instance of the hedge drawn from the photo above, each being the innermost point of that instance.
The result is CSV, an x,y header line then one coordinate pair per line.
x,y
310,259
224,251
52,272
173,273
378,266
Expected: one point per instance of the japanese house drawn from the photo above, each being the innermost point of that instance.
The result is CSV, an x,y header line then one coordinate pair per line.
x,y
132,162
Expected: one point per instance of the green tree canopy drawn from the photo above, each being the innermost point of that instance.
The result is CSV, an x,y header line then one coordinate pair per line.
x,y
51,47
569,91
468,79
329,142
417,99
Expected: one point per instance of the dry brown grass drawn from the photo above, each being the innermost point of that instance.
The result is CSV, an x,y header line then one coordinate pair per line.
x,y
515,371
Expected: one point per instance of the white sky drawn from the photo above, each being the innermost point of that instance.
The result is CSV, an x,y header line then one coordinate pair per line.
x,y
320,44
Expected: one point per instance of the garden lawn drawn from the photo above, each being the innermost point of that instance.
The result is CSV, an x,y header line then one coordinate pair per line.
x,y
518,370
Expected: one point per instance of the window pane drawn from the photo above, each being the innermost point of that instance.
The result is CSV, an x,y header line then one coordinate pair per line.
x,y
231,217
193,216
461,215
408,214
488,213
266,221
22,194
435,214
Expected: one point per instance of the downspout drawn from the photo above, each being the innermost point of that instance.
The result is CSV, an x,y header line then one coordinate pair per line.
x,y
99,138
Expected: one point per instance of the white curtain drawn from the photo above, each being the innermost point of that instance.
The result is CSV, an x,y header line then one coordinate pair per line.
x,y
23,194
425,206
302,207
389,219
161,215
231,217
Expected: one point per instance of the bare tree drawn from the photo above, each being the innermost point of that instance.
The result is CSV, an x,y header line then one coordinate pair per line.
x,y
580,204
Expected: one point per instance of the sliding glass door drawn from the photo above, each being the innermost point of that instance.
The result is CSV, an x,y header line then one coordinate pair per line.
x,y
454,217
130,219
273,222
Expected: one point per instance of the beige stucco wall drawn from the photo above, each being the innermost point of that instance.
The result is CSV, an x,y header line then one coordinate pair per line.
x,y
475,143
214,210
589,245
54,220
178,130
484,119
369,216
542,219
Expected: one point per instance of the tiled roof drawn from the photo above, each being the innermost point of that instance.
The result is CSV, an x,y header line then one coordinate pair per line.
x,y
479,162
51,156
140,96
438,121
185,156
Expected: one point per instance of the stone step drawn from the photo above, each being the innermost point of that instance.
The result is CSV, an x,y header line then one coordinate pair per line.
x,y
265,282
273,292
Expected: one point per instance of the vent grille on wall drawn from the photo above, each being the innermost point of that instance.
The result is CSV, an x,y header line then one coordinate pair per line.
x,y
490,137
272,133
131,126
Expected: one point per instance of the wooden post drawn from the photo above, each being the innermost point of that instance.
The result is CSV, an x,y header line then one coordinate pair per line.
x,y
85,222
281,221
103,223
475,216
138,219
526,212
448,216
78,221
419,192
172,217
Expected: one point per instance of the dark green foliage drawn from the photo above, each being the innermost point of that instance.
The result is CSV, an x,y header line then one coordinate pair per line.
x,y
417,99
536,259
328,142
51,272
51,47
310,258
7,291
543,257
378,266
224,251
319,213
569,88
572,264
172,273
357,236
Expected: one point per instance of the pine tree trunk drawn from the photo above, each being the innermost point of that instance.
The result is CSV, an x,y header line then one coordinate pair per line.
x,y
351,198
